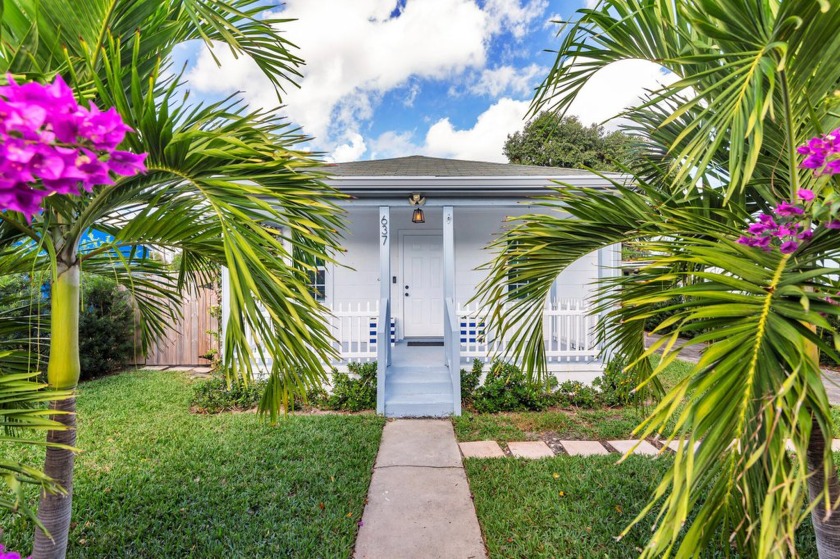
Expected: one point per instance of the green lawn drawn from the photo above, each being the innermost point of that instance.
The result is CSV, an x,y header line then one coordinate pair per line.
x,y
601,424
157,481
571,506
571,424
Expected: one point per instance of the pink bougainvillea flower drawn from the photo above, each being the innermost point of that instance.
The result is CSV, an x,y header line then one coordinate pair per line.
x,y
822,154
105,130
127,163
805,194
8,554
787,209
789,247
51,145
758,228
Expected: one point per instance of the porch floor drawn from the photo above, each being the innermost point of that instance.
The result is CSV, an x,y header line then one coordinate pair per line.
x,y
403,355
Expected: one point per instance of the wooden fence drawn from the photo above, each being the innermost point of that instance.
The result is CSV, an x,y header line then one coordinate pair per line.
x,y
184,342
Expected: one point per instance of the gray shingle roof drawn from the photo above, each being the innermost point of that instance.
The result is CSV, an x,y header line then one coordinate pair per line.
x,y
421,166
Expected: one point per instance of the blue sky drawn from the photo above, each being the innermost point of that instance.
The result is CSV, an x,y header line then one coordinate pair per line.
x,y
387,78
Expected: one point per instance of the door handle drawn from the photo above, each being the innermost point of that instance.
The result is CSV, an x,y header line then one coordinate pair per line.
x,y
406,293
406,287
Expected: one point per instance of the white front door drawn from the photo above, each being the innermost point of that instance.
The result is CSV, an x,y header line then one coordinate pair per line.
x,y
422,286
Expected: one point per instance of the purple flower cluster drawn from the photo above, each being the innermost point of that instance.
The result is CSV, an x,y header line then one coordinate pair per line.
x,y
49,144
822,154
8,554
787,228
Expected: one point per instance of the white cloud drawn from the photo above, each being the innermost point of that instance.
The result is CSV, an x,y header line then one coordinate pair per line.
x,y
616,87
508,79
513,16
394,144
413,91
608,93
482,142
485,140
355,53
351,150
552,22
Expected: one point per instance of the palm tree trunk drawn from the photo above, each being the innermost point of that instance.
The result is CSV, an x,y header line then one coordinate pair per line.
x,y
827,530
55,508
62,374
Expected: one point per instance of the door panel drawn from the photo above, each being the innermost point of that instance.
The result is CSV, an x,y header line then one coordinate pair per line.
x,y
422,291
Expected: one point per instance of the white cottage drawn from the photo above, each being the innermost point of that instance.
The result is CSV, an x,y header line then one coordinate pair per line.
x,y
416,232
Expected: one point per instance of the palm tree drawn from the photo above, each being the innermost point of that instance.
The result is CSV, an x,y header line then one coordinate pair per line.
x,y
224,185
752,80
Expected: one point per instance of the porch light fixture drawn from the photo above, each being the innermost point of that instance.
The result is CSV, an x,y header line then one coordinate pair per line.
x,y
417,200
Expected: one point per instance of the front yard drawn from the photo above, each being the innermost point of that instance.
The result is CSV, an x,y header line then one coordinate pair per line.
x,y
155,480
570,506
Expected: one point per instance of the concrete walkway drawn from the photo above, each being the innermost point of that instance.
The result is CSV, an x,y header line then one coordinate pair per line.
x,y
419,503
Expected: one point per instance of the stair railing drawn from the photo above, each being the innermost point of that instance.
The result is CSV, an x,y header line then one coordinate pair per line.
x,y
452,350
383,351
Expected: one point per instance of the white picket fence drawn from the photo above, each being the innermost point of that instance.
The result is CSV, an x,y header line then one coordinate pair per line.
x,y
354,327
567,327
568,330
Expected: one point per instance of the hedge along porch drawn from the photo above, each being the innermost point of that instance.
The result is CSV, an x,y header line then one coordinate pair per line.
x,y
417,229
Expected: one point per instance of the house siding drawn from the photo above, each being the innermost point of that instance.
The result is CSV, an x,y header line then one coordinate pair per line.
x,y
357,281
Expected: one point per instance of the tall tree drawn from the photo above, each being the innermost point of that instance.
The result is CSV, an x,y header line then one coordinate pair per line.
x,y
755,81
224,185
552,140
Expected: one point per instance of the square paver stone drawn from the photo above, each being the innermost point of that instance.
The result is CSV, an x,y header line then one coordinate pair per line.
x,y
644,448
675,445
481,449
583,448
530,449
835,446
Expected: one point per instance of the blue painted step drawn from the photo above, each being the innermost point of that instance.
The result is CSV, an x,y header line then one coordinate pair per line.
x,y
418,392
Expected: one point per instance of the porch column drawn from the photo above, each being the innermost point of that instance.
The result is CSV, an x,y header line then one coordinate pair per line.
x,y
383,329
448,253
452,334
385,253
608,266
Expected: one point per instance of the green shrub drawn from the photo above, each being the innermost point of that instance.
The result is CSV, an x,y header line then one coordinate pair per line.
x,y
315,398
506,388
470,380
615,385
573,393
106,322
215,396
354,394
106,328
